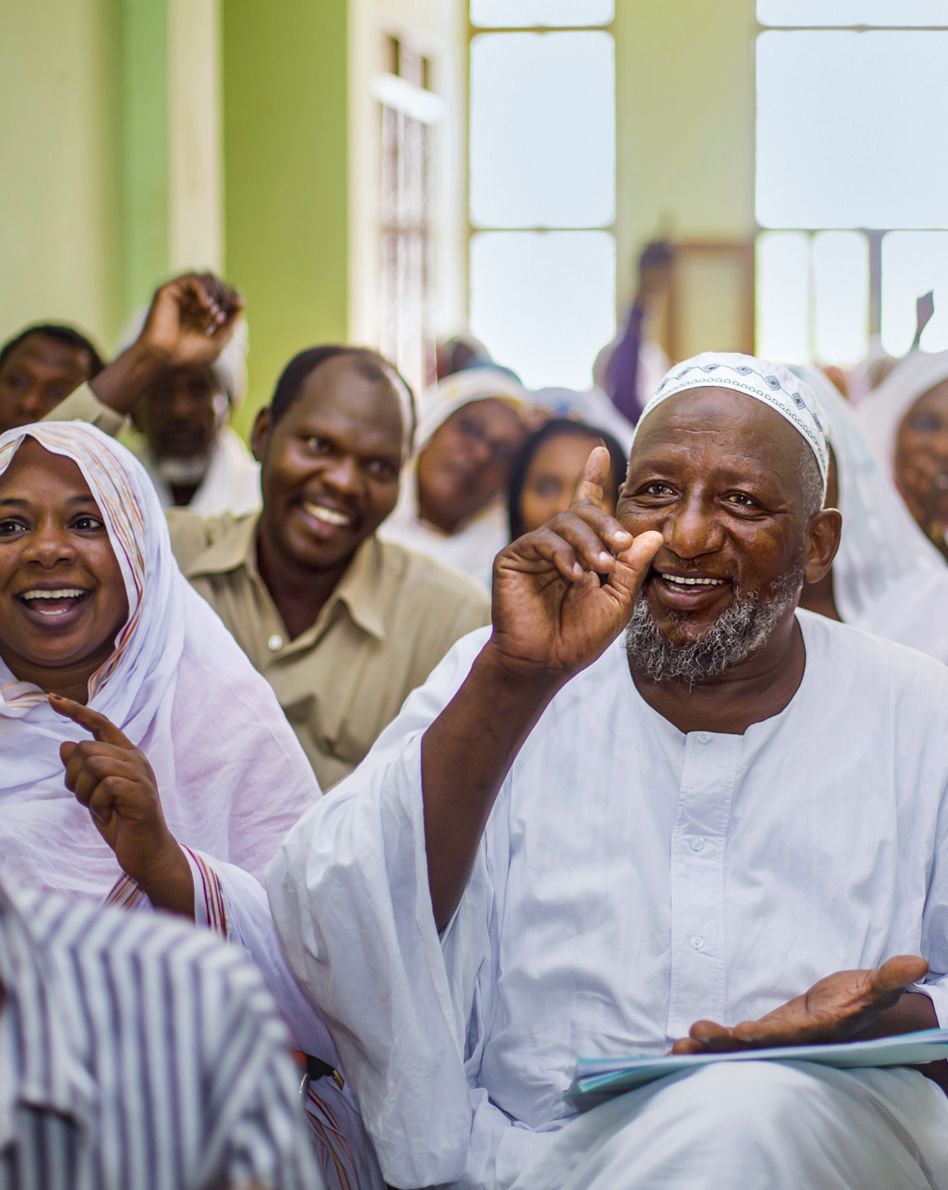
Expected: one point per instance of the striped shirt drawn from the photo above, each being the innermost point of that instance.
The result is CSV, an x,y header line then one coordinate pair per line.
x,y
138,1053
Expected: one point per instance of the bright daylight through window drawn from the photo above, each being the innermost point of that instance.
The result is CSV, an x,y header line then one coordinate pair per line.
x,y
542,184
852,187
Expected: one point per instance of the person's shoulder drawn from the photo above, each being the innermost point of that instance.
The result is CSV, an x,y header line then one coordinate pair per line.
x,y
433,583
874,658
191,533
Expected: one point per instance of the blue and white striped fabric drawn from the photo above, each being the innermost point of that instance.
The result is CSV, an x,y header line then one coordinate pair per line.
x,y
138,1053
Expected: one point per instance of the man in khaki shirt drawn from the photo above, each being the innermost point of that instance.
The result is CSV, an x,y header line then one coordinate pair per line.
x,y
341,624
389,620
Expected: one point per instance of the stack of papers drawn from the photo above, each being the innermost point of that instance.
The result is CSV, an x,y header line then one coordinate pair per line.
x,y
600,1078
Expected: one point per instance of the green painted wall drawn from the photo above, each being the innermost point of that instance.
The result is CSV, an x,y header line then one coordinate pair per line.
x,y
685,127
59,195
285,177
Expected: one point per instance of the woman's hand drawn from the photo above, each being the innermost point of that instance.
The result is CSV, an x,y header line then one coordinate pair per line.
x,y
114,781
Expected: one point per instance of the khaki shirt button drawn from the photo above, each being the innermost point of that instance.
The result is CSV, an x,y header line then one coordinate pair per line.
x,y
275,642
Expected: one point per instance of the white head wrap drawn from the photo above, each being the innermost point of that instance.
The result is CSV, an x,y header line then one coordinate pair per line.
x,y
229,369
887,576
463,388
883,410
772,384
231,773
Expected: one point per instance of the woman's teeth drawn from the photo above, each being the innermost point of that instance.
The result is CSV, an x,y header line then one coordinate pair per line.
x,y
678,581
59,593
329,516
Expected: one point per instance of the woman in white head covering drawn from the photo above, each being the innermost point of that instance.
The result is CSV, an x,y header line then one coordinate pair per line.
x,y
93,608
184,440
905,421
451,504
886,577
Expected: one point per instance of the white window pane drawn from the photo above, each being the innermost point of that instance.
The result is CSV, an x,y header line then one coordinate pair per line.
x,y
852,12
542,130
913,262
850,129
503,13
544,303
783,296
840,261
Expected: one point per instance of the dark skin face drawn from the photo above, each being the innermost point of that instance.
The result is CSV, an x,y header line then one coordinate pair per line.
x,y
921,463
552,476
36,375
330,469
466,464
54,544
718,475
178,416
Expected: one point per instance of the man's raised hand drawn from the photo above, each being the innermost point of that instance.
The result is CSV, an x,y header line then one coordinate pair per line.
x,y
564,591
114,781
190,320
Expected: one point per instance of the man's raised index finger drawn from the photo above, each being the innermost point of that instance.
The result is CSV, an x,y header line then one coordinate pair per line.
x,y
595,476
97,724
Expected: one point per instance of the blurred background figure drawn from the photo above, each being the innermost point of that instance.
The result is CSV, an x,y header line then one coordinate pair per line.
x,y
905,421
460,352
886,577
631,367
39,367
184,440
547,469
451,504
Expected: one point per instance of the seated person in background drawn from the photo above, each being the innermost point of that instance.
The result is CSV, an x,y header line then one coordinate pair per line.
x,y
194,457
655,793
451,505
886,577
105,1012
905,421
98,625
39,367
342,624
548,468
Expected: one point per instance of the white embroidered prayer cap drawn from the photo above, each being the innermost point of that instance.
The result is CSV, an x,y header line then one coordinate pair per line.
x,y
773,384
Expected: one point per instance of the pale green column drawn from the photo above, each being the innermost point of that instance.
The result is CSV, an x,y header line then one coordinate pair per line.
x,y
286,177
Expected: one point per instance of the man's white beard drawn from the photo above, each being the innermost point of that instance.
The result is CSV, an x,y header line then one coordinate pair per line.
x,y
738,632
182,472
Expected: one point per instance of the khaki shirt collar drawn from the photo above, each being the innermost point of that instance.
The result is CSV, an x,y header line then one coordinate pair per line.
x,y
361,589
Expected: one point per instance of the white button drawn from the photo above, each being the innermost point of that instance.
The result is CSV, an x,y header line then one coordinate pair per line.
x,y
704,737
275,642
697,942
697,843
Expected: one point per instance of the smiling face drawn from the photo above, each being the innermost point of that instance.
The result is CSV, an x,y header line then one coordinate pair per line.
x,y
36,375
466,464
330,467
552,476
62,597
921,460
719,475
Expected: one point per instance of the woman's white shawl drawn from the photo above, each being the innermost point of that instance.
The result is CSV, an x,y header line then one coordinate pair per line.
x,y
231,774
887,577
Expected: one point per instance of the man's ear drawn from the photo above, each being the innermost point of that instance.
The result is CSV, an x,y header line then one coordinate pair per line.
x,y
263,424
823,537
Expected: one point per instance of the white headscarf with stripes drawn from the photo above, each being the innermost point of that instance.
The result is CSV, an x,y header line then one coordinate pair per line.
x,y
231,774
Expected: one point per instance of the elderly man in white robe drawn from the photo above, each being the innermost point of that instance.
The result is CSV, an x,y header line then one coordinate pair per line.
x,y
647,811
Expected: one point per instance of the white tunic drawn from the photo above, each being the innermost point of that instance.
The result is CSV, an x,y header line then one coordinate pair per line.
x,y
631,880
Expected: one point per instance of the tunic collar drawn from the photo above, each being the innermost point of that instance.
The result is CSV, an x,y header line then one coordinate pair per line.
x,y
360,589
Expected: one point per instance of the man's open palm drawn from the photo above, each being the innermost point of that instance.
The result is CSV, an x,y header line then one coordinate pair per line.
x,y
834,1009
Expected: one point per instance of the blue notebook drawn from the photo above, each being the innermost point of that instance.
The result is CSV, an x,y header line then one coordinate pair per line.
x,y
597,1079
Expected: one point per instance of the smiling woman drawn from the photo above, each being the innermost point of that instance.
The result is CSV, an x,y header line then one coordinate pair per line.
x,y
94,608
